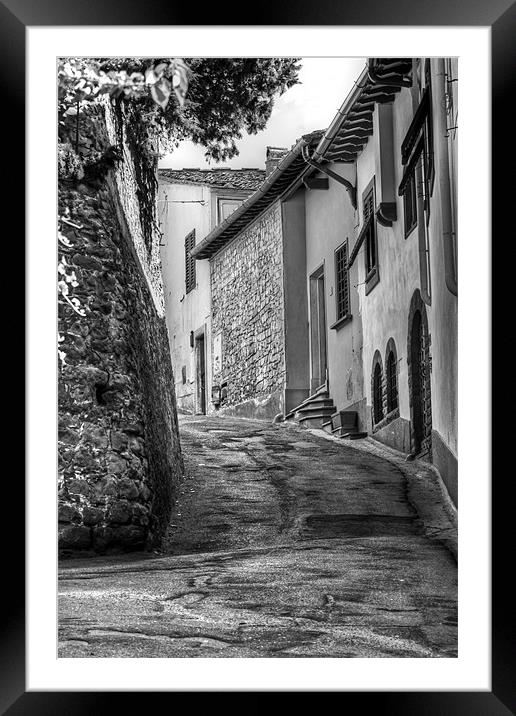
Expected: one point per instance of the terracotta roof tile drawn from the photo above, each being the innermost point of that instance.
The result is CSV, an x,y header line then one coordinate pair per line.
x,y
245,179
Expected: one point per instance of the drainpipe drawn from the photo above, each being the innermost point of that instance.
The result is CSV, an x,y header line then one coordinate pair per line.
x,y
448,229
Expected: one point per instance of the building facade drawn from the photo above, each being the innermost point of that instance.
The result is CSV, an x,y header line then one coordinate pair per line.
x,y
407,276
191,202
334,285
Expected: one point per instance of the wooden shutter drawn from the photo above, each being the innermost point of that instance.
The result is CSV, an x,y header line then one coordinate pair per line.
x,y
368,206
189,262
341,270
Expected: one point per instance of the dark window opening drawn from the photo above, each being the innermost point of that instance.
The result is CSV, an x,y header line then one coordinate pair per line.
x,y
429,137
392,383
377,394
410,203
371,257
342,281
183,374
189,262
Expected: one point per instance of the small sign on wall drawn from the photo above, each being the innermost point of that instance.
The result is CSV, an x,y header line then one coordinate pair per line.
x,y
217,354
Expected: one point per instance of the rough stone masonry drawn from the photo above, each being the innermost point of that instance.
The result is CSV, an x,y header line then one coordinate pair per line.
x,y
247,311
119,452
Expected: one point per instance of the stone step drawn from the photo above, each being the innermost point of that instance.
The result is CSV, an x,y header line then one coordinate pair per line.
x,y
345,419
321,399
315,410
313,420
326,405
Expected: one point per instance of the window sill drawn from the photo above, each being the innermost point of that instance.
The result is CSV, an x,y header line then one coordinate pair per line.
x,y
341,322
372,279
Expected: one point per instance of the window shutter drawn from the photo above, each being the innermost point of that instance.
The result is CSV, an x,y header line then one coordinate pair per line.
x,y
368,206
341,266
189,262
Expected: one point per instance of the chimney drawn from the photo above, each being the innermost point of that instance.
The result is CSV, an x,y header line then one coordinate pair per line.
x,y
273,157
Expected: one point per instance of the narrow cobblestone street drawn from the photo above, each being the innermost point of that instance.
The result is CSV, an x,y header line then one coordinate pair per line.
x,y
285,543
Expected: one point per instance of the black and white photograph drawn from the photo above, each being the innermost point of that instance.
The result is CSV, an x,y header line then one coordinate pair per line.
x,y
257,295
256,399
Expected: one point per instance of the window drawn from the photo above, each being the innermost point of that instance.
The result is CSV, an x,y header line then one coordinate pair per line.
x,y
189,262
392,382
342,281
370,240
377,394
410,203
225,207
429,138
419,143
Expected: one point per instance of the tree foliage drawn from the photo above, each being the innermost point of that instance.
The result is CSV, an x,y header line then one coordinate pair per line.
x,y
211,101
159,102
226,97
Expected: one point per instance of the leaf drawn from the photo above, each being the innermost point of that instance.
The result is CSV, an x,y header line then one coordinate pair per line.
x,y
180,80
159,69
150,77
160,92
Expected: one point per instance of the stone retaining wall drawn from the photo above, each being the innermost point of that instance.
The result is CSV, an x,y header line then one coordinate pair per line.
x,y
119,452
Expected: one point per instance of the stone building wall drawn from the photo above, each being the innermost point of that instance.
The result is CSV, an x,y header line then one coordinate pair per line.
x,y
119,452
247,313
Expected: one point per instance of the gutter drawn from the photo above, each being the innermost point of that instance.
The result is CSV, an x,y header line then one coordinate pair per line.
x,y
345,107
258,194
450,275
318,155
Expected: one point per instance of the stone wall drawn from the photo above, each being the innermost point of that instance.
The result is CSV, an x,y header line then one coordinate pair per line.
x,y
247,312
119,452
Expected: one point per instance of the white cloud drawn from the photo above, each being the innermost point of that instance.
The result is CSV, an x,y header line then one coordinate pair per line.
x,y
310,105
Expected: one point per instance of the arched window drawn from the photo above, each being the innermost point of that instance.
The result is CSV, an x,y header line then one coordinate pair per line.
x,y
392,382
377,393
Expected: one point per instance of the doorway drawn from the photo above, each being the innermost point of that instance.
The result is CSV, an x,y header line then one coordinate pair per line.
x,y
318,356
421,405
200,374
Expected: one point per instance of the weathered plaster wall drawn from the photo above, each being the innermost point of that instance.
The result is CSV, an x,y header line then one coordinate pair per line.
x,y
119,452
385,308
247,311
185,312
297,357
330,221
443,320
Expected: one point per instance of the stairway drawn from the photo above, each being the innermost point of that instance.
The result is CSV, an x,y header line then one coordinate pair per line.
x,y
314,411
343,424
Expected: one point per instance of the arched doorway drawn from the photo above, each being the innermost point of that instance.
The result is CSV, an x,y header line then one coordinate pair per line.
x,y
419,378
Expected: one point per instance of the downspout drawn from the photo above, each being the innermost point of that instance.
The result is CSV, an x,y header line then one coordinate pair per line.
x,y
448,230
352,191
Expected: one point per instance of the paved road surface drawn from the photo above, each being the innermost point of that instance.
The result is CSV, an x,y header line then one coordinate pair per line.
x,y
283,543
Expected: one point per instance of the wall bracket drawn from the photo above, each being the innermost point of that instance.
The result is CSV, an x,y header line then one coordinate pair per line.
x,y
333,175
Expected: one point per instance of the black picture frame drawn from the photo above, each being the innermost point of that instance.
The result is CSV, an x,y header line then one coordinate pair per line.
x,y
500,16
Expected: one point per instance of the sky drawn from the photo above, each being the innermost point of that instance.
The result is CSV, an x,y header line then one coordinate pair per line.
x,y
306,107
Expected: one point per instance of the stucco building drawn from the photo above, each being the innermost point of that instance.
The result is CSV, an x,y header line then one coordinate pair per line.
x,y
191,202
334,285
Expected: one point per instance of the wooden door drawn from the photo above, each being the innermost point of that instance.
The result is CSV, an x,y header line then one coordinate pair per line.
x,y
318,356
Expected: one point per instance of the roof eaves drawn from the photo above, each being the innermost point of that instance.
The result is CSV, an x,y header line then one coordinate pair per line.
x,y
252,206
